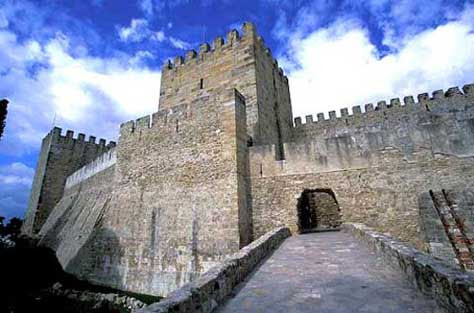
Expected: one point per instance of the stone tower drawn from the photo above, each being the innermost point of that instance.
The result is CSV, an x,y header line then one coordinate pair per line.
x,y
60,156
244,63
220,164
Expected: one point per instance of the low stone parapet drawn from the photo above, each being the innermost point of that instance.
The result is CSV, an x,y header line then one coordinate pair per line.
x,y
212,287
452,288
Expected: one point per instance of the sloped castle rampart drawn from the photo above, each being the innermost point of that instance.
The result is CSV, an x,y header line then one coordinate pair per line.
x,y
222,162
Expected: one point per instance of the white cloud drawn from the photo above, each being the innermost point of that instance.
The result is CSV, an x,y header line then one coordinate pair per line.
x,y
3,20
159,36
146,6
139,31
338,66
16,173
141,56
136,32
88,94
179,44
15,183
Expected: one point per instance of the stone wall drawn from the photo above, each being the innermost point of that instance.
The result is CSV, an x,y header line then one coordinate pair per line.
x,y
452,288
104,161
242,62
448,225
60,156
377,164
211,289
75,227
174,204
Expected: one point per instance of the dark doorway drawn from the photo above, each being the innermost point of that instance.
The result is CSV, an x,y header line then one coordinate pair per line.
x,y
318,210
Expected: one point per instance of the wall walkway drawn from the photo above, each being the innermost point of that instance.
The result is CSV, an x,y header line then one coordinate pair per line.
x,y
326,272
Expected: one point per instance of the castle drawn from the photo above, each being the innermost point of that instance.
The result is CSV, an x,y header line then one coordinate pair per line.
x,y
223,161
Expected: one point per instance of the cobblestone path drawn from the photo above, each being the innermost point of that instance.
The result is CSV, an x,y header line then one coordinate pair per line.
x,y
326,273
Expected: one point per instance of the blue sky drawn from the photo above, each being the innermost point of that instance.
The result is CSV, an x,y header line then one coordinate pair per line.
x,y
96,63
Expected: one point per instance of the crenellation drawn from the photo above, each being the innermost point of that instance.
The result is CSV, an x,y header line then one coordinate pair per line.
x,y
127,128
249,29
190,55
381,105
468,89
423,97
218,43
143,123
395,102
167,65
178,60
60,156
203,49
453,91
233,37
297,121
409,101
370,113
102,142
69,134
356,110
438,94
159,118
68,138
309,119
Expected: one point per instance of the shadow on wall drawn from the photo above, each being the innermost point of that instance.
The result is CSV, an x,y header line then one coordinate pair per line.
x,y
99,260
318,209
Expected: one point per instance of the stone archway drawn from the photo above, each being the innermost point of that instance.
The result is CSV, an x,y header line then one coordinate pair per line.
x,y
318,209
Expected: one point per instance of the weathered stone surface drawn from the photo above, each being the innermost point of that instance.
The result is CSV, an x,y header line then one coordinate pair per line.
x,y
326,272
60,156
209,290
214,168
150,226
452,288
448,225
97,301
377,163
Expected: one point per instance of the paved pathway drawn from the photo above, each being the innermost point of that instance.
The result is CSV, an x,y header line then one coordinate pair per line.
x,y
326,273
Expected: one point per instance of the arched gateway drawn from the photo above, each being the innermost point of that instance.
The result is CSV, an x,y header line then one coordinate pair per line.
x,y
318,210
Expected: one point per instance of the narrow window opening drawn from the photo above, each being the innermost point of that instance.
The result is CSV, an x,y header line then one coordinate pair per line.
x,y
177,125
201,84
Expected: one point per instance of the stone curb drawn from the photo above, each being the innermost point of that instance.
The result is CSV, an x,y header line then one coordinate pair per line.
x,y
452,288
212,287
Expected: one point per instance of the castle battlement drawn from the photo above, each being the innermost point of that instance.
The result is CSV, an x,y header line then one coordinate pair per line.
x,y
394,108
172,118
207,51
166,117
81,138
101,163
212,169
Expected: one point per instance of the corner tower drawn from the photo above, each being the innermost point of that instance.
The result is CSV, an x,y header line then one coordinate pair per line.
x,y
60,156
244,63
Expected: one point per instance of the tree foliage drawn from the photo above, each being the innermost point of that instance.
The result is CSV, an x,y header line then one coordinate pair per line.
x,y
3,115
12,229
